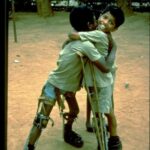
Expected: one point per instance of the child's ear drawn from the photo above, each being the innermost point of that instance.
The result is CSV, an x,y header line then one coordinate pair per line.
x,y
115,29
91,26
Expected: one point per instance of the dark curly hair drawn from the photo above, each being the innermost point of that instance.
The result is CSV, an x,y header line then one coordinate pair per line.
x,y
80,17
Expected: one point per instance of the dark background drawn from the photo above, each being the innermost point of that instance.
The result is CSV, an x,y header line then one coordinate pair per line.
x,y
30,5
3,74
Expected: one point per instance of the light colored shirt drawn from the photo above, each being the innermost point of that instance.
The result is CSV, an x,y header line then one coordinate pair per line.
x,y
68,74
99,39
101,42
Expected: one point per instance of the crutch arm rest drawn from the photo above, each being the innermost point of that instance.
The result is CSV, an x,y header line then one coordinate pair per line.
x,y
97,63
79,53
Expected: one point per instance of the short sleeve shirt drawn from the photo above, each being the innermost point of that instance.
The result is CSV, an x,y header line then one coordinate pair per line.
x,y
68,74
100,41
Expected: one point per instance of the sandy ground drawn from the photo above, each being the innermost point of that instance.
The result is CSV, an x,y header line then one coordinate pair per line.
x,y
34,56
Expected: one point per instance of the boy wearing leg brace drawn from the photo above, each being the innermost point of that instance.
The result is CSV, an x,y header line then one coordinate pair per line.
x,y
65,80
109,21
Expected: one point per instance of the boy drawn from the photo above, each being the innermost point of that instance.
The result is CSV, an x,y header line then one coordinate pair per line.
x,y
65,80
108,22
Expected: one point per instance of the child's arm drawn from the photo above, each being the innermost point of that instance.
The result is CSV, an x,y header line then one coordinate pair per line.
x,y
74,36
110,40
110,59
65,43
92,36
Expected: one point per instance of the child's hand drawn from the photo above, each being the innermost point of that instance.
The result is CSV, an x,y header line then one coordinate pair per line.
x,y
74,36
65,43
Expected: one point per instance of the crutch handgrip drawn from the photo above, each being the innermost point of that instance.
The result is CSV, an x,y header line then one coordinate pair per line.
x,y
80,54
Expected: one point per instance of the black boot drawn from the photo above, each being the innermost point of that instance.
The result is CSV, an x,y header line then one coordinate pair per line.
x,y
29,147
98,147
114,143
72,137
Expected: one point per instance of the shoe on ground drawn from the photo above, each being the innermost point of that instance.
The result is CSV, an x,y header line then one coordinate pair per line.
x,y
72,137
89,128
114,143
29,147
98,147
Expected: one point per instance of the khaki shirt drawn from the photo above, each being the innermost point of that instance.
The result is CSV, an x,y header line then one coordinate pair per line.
x,y
100,41
68,74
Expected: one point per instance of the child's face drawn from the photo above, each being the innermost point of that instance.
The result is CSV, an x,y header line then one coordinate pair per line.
x,y
106,22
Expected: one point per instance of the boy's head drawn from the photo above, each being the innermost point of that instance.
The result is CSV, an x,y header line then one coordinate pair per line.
x,y
82,19
112,17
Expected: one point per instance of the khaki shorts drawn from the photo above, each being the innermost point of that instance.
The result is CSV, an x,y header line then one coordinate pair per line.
x,y
104,103
49,94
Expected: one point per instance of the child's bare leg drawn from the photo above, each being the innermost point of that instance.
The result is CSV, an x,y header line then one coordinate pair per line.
x,y
88,112
70,136
89,126
114,140
73,107
40,122
88,116
112,123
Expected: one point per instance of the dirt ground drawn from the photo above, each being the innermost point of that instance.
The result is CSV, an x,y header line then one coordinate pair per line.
x,y
34,55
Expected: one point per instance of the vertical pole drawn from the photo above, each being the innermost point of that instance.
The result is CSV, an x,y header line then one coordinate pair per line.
x,y
99,135
14,22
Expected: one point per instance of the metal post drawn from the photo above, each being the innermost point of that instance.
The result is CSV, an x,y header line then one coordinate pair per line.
x,y
14,22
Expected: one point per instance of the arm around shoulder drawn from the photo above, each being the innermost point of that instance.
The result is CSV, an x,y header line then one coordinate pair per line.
x,y
101,66
92,53
74,36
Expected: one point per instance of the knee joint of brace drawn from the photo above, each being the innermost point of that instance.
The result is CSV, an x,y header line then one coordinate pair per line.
x,y
69,116
41,121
